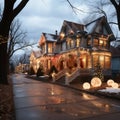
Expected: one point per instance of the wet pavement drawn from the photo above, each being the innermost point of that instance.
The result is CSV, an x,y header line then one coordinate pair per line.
x,y
37,100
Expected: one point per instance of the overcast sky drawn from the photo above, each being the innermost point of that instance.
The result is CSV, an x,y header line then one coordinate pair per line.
x,y
48,15
45,16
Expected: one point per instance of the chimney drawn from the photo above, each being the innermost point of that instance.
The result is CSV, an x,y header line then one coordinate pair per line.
x,y
56,33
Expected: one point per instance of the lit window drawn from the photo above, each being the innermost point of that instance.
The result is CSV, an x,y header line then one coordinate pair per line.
x,y
102,42
78,42
101,61
50,49
95,42
107,62
68,43
72,44
95,59
89,61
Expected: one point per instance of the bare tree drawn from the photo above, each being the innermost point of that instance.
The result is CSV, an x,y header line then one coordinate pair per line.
x,y
10,11
24,59
97,8
17,38
116,4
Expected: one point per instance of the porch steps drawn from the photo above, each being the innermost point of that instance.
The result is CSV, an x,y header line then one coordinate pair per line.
x,y
61,80
78,80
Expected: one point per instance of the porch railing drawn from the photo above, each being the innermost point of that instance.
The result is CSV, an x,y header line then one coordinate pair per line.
x,y
70,77
56,76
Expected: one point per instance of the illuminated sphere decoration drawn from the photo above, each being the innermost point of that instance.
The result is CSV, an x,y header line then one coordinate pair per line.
x,y
115,85
96,82
86,85
110,82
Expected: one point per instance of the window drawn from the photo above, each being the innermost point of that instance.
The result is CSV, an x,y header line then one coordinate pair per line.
x,y
77,42
95,42
88,42
49,64
89,61
107,62
102,42
63,46
104,60
50,49
101,61
95,59
72,43
68,43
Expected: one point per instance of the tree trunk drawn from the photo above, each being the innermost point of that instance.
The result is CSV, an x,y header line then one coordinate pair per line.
x,y
4,61
9,13
118,16
3,64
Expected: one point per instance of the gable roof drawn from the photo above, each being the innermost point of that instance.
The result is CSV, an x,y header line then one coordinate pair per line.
x,y
50,37
100,26
47,37
68,27
92,27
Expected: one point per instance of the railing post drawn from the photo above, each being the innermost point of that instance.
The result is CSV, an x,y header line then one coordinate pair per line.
x,y
67,79
53,77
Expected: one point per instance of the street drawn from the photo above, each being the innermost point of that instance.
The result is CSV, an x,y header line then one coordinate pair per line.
x,y
37,100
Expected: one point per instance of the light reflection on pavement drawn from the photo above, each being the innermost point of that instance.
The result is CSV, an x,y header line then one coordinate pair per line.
x,y
35,100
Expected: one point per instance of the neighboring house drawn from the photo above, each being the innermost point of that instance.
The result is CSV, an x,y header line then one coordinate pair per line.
x,y
76,47
22,68
34,59
115,62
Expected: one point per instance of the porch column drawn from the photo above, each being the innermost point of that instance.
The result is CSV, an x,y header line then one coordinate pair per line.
x,y
65,64
78,58
78,62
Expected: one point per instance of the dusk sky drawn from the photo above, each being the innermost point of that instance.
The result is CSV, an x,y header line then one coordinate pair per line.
x,y
46,16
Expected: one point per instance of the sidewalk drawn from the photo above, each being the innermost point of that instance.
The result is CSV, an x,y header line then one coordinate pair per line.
x,y
36,100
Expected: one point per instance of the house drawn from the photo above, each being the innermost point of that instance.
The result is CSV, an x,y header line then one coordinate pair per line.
x,y
77,48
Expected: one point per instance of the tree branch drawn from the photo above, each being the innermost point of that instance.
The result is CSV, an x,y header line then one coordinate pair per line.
x,y
114,3
19,7
74,8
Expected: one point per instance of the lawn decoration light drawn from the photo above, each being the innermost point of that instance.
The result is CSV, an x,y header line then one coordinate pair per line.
x,y
115,85
96,82
110,82
86,85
